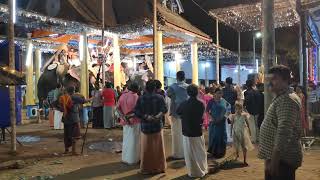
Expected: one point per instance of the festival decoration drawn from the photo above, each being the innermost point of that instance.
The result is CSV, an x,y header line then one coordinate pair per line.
x,y
248,17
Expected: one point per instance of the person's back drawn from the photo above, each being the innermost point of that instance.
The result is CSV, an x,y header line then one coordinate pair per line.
x,y
191,113
108,95
127,101
252,101
230,94
177,92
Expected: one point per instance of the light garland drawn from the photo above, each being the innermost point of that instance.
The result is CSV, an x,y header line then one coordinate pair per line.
x,y
248,17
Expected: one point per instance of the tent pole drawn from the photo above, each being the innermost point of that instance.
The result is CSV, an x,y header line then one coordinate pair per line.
x,y
12,89
155,22
217,53
103,74
268,46
239,57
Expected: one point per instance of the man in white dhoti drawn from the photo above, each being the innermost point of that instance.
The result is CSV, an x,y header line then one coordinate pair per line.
x,y
131,125
191,113
177,92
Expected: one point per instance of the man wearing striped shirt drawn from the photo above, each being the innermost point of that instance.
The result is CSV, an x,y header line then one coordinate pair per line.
x,y
280,133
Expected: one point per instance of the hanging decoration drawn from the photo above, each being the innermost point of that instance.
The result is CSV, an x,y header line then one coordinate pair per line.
x,y
248,17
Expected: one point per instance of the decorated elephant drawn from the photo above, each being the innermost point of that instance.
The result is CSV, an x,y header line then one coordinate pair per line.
x,y
57,71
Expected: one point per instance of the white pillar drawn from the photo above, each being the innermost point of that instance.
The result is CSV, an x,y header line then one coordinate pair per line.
x,y
177,57
84,77
194,61
217,53
159,59
30,98
38,67
116,62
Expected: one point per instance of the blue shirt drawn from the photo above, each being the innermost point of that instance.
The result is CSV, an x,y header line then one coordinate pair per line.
x,y
177,92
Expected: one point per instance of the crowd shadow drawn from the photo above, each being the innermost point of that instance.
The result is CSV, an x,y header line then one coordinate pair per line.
x,y
176,164
97,171
140,177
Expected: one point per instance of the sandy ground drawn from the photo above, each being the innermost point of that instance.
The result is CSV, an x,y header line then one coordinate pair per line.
x,y
44,158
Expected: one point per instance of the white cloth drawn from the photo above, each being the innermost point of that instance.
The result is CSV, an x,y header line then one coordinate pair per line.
x,y
228,129
253,128
57,120
177,138
131,144
195,156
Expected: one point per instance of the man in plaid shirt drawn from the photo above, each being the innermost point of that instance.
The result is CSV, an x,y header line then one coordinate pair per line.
x,y
280,144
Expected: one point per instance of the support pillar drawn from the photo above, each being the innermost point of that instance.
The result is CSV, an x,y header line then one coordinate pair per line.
x,y
218,54
159,57
12,89
38,67
239,57
84,77
318,63
116,62
29,98
300,56
194,61
268,46
177,61
155,25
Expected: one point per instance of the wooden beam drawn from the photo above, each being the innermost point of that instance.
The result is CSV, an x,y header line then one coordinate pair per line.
x,y
148,39
84,11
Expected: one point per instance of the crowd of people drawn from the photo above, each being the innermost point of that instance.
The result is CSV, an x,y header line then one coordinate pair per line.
x,y
190,111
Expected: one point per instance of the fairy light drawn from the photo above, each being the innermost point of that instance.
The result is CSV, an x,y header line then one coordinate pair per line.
x,y
14,11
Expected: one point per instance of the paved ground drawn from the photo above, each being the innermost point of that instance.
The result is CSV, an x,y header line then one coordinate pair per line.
x,y
44,158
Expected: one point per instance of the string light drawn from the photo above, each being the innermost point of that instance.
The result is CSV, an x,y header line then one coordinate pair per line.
x,y
248,17
14,11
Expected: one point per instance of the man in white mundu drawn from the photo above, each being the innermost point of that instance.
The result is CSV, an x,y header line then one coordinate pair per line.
x,y
191,113
177,92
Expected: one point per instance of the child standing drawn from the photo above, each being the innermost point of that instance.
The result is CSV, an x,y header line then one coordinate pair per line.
x,y
241,132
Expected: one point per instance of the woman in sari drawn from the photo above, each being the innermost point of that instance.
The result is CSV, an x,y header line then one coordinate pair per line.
x,y
217,127
206,98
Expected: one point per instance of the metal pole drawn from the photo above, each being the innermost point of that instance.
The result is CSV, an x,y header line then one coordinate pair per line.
x,y
103,54
254,50
206,73
239,56
304,57
268,46
218,53
155,39
12,89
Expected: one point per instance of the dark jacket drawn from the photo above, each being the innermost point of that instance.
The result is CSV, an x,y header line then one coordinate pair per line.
x,y
230,95
191,113
253,101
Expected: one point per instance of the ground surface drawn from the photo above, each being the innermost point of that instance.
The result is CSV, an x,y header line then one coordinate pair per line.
x,y
44,159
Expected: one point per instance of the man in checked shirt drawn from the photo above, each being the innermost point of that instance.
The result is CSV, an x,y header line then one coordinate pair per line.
x,y
280,132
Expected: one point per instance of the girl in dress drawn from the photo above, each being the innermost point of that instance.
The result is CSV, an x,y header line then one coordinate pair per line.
x,y
241,132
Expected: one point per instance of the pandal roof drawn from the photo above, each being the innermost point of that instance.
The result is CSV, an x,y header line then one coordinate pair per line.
x,y
248,17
